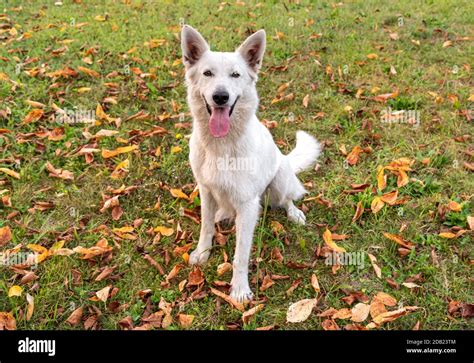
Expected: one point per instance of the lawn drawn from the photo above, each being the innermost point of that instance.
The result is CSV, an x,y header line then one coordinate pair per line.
x,y
95,178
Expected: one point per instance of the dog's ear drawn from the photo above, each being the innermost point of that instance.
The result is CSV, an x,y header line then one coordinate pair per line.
x,y
253,48
193,45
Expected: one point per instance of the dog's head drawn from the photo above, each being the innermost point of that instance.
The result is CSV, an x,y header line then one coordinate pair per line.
x,y
222,84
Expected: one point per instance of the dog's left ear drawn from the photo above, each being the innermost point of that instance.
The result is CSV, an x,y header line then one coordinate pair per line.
x,y
253,48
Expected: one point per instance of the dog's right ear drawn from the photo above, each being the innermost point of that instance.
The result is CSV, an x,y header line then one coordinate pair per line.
x,y
193,45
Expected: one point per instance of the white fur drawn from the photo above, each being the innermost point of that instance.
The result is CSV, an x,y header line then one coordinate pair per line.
x,y
237,193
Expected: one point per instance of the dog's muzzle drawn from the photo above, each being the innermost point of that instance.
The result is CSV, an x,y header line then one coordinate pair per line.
x,y
208,108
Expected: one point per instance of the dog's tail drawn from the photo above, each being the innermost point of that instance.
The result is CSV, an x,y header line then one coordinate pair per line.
x,y
305,153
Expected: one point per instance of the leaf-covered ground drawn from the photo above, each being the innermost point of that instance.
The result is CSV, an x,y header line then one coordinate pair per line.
x,y
94,176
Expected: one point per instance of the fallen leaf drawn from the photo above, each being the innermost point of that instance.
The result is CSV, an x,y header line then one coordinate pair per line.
x,y
228,299
31,306
15,290
398,239
5,235
386,299
10,172
393,315
315,283
7,321
377,269
103,294
377,204
249,314
359,211
185,321
300,311
360,312
75,317
327,237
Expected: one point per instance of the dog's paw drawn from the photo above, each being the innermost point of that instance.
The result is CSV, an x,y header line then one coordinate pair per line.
x,y
198,258
241,292
296,215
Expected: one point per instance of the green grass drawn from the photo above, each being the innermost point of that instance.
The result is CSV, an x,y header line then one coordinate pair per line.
x,y
348,34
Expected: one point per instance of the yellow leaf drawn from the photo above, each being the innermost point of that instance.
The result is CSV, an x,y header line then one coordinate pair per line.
x,y
447,235
327,237
178,193
106,154
165,231
381,178
176,149
10,172
372,56
15,291
377,204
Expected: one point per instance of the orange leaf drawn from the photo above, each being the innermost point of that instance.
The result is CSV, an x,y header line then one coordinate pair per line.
x,y
358,212
327,237
398,239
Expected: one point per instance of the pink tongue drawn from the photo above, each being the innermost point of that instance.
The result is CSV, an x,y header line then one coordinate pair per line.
x,y
219,123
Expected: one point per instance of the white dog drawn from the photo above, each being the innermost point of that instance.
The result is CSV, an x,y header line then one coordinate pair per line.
x,y
233,156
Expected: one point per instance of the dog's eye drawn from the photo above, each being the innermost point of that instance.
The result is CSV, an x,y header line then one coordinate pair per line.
x,y
208,73
235,75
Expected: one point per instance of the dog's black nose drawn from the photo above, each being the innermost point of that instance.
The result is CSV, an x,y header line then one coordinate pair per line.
x,y
220,97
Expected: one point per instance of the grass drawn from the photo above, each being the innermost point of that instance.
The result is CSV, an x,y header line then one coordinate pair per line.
x,y
330,67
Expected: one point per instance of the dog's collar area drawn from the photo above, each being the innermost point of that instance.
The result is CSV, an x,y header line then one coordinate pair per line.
x,y
208,108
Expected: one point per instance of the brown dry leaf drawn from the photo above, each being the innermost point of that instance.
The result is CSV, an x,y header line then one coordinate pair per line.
x,y
196,277
100,248
103,294
228,299
223,268
300,310
249,314
31,306
174,272
185,321
306,101
376,308
393,315
327,237
386,299
376,267
75,317
344,313
398,239
354,155
33,115
106,272
410,285
7,321
266,283
330,324
89,72
59,173
10,172
470,222
360,312
5,235
359,211
315,283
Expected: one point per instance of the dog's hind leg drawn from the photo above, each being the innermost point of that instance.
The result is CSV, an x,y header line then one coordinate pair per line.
x,y
208,212
284,189
245,221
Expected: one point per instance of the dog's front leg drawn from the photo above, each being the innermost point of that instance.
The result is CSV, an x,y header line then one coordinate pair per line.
x,y
246,219
208,211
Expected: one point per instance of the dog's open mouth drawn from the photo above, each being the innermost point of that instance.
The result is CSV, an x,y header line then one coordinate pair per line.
x,y
219,121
